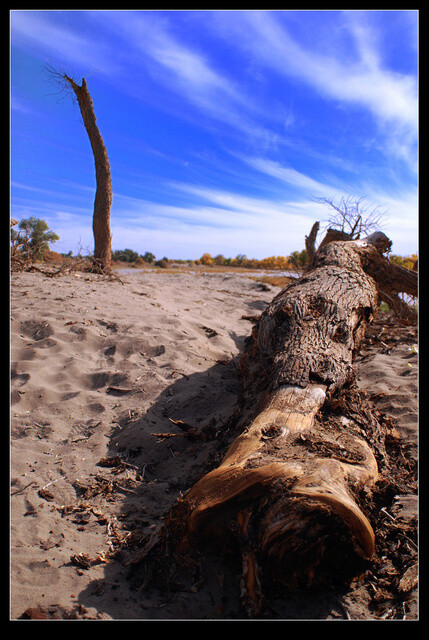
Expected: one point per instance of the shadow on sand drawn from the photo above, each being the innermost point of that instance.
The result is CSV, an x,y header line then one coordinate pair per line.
x,y
168,467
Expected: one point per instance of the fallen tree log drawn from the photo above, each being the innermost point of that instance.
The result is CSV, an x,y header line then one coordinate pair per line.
x,y
392,279
287,486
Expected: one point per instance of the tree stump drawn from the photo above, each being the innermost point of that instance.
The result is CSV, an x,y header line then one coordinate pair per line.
x,y
287,486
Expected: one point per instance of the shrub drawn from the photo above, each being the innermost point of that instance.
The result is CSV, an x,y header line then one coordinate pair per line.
x,y
162,263
32,241
206,259
124,255
148,257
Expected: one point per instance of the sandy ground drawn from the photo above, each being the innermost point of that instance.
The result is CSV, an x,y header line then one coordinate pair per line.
x,y
99,368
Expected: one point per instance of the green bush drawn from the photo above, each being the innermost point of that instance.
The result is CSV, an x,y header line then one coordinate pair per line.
x,y
124,255
148,257
32,240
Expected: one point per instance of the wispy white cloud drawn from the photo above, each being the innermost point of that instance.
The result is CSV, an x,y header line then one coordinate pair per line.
x,y
269,228
63,45
360,81
188,71
304,184
297,213
140,52
191,69
218,221
147,44
211,208
17,104
390,96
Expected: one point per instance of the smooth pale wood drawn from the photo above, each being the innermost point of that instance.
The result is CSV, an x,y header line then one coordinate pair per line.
x,y
291,410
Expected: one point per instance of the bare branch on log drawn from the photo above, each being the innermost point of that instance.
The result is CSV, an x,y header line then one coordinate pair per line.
x,y
352,216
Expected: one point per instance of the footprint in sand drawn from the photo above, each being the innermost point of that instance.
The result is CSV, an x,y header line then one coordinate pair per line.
x,y
109,352
80,332
42,573
39,330
18,380
36,329
103,378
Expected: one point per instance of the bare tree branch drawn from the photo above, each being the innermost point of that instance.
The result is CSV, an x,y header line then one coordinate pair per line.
x,y
352,216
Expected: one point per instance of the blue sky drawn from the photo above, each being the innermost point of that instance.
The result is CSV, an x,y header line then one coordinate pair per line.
x,y
222,127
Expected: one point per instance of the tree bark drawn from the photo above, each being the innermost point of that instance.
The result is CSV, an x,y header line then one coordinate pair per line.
x,y
289,482
310,244
391,279
334,235
103,194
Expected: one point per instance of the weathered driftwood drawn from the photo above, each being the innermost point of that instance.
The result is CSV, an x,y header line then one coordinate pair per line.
x,y
287,484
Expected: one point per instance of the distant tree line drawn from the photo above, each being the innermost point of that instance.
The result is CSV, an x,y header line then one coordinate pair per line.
x,y
410,262
30,243
296,260
128,255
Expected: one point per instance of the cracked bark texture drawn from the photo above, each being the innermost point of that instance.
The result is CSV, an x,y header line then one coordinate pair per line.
x,y
312,329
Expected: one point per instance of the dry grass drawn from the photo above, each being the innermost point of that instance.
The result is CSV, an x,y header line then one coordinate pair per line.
x,y
275,281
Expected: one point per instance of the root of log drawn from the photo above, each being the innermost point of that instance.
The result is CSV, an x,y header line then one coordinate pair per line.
x,y
251,466
289,506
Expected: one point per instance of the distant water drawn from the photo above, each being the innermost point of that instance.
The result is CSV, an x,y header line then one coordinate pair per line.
x,y
247,273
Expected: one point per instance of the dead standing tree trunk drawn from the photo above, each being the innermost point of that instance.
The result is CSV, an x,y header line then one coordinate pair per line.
x,y
310,242
103,194
288,483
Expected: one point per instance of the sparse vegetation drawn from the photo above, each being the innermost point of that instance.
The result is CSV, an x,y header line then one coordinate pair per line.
x,y
274,280
127,255
31,242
